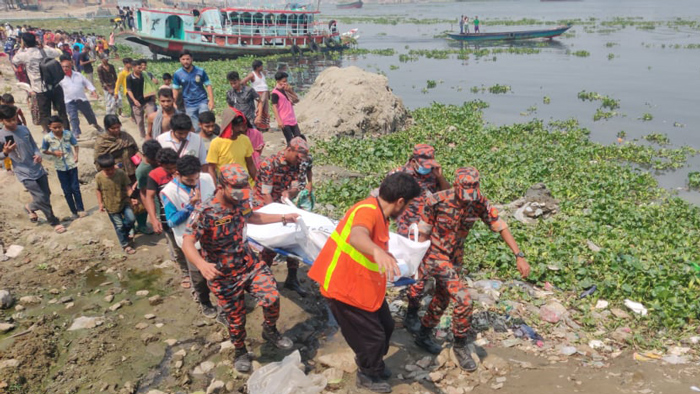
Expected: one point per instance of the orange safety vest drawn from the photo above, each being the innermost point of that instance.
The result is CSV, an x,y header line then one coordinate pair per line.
x,y
344,273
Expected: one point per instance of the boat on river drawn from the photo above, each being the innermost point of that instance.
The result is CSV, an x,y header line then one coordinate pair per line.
x,y
219,33
350,5
511,35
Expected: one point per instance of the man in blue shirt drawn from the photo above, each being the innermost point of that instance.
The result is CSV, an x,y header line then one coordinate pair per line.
x,y
194,85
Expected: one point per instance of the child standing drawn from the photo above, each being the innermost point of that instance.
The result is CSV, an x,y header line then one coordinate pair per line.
x,y
113,191
63,147
241,97
8,99
283,98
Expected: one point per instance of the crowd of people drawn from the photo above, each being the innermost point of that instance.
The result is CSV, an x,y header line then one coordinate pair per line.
x,y
199,182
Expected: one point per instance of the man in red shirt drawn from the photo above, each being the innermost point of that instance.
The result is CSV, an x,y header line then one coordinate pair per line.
x,y
353,268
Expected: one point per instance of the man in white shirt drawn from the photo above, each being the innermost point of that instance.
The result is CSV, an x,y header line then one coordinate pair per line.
x,y
183,140
30,56
74,85
188,188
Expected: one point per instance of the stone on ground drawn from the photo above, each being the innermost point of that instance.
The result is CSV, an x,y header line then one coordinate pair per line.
x,y
343,359
6,299
84,322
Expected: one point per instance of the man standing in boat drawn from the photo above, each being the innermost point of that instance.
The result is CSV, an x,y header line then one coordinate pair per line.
x,y
194,85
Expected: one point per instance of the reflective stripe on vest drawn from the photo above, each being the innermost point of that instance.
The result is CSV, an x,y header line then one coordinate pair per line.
x,y
342,246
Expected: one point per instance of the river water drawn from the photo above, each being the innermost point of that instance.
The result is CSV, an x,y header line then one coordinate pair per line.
x,y
645,74
640,67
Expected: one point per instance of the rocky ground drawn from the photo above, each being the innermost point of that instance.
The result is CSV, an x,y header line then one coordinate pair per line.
x,y
80,317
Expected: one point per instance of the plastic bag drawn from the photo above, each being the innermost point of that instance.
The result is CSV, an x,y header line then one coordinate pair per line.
x,y
407,251
305,200
285,377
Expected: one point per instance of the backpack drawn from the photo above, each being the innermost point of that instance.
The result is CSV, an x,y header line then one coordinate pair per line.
x,y
50,70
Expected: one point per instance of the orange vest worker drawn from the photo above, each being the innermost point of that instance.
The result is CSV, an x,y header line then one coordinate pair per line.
x,y
344,273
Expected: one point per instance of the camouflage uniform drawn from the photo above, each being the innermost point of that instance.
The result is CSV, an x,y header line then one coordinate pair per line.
x,y
275,176
448,221
220,232
424,155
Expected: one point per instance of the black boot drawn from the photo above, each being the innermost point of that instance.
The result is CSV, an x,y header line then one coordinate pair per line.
x,y
386,373
411,322
273,336
372,383
425,340
241,360
464,355
292,283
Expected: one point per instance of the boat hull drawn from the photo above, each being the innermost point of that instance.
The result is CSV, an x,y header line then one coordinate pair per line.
x,y
510,36
206,51
349,6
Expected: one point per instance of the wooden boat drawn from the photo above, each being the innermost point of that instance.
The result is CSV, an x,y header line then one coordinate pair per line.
x,y
217,33
348,6
512,35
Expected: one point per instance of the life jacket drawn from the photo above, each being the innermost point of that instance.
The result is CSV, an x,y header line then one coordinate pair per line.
x,y
344,273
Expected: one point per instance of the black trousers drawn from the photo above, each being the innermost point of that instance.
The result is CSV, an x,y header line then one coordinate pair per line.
x,y
367,333
53,98
291,132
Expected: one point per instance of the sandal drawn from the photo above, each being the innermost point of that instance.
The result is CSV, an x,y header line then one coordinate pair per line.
x,y
185,282
59,229
32,215
82,214
129,250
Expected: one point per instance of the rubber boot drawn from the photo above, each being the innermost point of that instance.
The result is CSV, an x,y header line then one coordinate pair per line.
x,y
241,360
292,283
273,336
425,340
411,322
464,355
372,383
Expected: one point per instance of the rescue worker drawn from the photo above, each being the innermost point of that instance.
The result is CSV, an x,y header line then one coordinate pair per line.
x,y
446,219
278,176
423,167
227,262
352,270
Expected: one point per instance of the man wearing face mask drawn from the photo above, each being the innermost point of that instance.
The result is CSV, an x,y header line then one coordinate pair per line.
x,y
427,172
227,262
446,219
180,196
278,176
352,270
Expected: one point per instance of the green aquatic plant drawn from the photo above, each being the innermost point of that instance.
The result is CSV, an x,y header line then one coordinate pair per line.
x,y
581,53
647,117
620,208
658,138
601,114
546,100
694,179
499,89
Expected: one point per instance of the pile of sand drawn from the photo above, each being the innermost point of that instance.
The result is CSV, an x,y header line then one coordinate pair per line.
x,y
350,101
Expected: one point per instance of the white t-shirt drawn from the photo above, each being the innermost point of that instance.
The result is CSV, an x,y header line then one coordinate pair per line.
x,y
180,197
194,146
